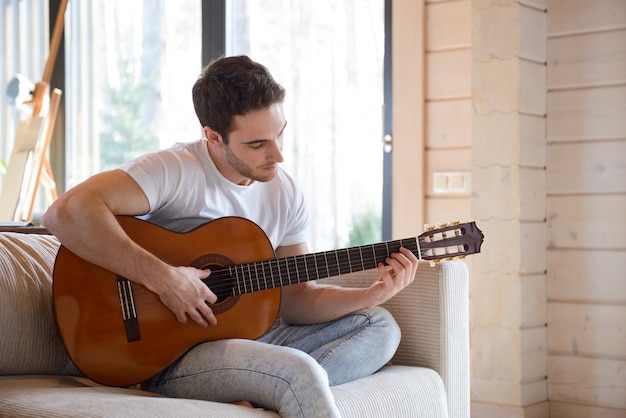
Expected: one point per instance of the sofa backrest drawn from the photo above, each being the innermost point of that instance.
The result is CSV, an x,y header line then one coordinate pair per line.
x,y
29,342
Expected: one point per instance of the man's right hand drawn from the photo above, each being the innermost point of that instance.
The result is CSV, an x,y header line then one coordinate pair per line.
x,y
186,295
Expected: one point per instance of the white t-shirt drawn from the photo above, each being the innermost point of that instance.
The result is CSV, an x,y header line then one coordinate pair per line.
x,y
185,189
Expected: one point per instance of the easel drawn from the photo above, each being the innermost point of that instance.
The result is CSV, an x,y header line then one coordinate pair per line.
x,y
29,165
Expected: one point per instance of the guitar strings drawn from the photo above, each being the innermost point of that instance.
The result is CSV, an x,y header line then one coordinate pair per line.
x,y
269,274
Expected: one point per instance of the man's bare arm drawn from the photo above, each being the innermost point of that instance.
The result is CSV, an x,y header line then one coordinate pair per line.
x,y
83,219
311,302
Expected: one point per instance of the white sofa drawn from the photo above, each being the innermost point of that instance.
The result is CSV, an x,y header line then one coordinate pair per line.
x,y
429,376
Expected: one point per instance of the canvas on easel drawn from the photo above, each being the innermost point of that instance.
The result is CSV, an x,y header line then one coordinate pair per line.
x,y
41,172
26,138
29,166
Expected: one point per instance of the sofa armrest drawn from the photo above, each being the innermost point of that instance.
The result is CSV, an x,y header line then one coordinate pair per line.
x,y
433,314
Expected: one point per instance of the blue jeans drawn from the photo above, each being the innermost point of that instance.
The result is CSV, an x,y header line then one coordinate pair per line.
x,y
290,369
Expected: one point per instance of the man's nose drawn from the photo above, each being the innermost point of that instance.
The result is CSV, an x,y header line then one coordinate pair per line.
x,y
276,152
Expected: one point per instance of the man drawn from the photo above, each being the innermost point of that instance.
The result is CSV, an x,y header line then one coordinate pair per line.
x,y
328,335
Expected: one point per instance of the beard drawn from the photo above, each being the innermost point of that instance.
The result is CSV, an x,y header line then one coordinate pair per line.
x,y
245,170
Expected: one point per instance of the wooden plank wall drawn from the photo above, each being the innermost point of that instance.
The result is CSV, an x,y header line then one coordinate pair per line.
x,y
509,360
448,110
586,208
408,117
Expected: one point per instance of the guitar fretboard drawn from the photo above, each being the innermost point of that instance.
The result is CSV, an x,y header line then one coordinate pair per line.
x,y
262,275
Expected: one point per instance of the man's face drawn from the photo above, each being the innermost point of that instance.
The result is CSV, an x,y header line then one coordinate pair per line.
x,y
255,144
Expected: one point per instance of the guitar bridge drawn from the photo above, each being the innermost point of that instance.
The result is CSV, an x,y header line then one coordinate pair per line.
x,y
129,313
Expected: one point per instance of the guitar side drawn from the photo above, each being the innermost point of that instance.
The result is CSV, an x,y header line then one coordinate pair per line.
x,y
90,313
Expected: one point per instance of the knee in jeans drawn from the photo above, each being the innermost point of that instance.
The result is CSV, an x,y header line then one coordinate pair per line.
x,y
382,317
309,388
303,369
388,325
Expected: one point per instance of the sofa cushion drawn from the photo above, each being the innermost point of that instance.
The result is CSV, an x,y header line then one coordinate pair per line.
x,y
392,392
30,343
76,397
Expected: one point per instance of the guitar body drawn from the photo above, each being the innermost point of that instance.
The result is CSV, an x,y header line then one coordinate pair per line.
x,y
119,333
90,313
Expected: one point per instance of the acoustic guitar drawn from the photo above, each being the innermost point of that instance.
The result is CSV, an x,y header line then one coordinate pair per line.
x,y
118,333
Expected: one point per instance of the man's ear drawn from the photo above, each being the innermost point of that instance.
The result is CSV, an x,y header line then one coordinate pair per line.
x,y
212,136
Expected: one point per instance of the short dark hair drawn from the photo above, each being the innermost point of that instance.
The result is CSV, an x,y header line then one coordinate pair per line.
x,y
233,86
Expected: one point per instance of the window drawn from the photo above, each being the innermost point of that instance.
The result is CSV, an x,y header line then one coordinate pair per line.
x,y
23,52
23,48
130,65
329,56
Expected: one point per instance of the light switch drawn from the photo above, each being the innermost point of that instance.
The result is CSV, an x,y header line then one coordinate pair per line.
x,y
452,182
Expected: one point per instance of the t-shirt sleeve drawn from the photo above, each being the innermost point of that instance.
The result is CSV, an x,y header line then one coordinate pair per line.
x,y
297,230
153,173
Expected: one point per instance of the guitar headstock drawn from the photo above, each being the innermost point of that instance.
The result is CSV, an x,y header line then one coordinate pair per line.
x,y
448,241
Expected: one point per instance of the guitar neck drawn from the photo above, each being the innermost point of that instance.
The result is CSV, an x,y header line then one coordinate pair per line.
x,y
262,275
445,242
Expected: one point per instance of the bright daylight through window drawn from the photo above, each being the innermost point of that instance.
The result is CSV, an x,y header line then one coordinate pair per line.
x,y
131,65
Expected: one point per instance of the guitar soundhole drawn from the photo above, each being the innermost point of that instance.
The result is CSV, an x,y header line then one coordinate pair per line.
x,y
220,284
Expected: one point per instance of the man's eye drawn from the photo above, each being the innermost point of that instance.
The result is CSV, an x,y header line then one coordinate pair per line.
x,y
258,145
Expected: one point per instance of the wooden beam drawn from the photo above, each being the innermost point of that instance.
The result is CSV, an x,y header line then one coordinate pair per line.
x,y
408,118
